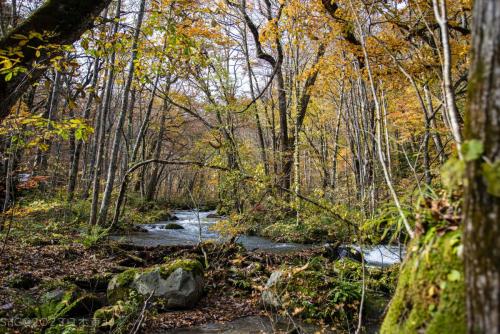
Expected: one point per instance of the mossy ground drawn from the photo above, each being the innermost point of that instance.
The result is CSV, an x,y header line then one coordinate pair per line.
x,y
430,296
330,291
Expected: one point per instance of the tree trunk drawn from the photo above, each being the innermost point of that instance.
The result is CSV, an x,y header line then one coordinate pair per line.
x,y
153,181
441,14
101,136
110,180
76,154
482,192
66,19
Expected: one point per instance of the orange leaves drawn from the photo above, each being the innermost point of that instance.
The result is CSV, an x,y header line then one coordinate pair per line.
x,y
32,182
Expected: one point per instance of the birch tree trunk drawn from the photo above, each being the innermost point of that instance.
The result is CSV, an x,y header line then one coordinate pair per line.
x,y
378,128
440,11
110,180
102,120
76,154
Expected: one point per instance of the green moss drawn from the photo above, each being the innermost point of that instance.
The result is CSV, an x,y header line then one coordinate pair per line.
x,y
119,286
186,264
117,318
62,303
108,317
430,296
126,277
320,291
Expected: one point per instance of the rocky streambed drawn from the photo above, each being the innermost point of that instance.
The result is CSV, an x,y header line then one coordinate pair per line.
x,y
190,227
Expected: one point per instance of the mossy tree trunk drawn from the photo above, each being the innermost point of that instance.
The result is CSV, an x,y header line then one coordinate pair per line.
x,y
482,196
66,19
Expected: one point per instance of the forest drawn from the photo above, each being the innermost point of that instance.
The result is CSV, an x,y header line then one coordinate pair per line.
x,y
250,166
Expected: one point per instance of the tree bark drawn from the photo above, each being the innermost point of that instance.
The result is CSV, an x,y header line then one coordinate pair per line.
x,y
67,19
482,195
153,181
77,152
102,120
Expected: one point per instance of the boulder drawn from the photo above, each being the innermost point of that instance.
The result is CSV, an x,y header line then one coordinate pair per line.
x,y
176,285
173,226
270,295
213,216
108,317
165,216
120,285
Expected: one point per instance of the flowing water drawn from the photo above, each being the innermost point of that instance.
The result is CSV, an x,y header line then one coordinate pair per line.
x,y
252,325
197,226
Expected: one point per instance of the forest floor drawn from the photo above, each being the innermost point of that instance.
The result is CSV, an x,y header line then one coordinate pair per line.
x,y
45,246
30,271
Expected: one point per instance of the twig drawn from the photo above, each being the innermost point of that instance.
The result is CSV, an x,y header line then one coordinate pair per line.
x,y
138,322
200,240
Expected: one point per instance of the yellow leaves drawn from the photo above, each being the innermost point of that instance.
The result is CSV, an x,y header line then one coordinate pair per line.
x,y
269,32
28,130
7,63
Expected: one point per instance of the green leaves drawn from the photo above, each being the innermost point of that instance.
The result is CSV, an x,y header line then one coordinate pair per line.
x,y
454,276
472,149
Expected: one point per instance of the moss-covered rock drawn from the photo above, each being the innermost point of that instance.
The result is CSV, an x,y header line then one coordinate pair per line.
x,y
319,290
430,296
187,264
120,285
54,304
109,317
177,284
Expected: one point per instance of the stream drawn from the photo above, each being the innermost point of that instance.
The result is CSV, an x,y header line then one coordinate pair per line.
x,y
157,235
196,226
